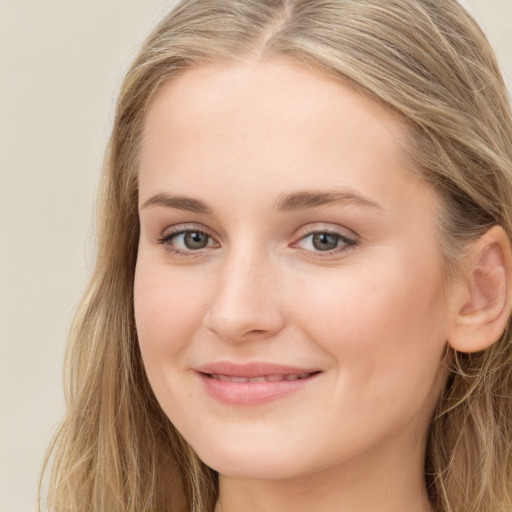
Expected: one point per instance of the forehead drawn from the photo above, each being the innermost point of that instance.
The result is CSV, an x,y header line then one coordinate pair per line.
x,y
266,126
275,88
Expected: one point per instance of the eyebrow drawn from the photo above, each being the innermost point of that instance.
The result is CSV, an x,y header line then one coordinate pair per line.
x,y
289,202
305,200
179,203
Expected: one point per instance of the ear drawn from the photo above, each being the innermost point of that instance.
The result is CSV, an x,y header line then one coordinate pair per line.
x,y
484,303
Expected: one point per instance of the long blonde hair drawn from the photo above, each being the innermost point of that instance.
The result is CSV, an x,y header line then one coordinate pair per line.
x,y
425,60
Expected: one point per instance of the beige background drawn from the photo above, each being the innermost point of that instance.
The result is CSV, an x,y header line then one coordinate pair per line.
x,y
61,63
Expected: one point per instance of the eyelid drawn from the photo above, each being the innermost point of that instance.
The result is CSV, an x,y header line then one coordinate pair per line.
x,y
187,226
326,227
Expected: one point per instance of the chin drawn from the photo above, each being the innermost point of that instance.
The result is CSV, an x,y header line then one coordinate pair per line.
x,y
255,466
260,459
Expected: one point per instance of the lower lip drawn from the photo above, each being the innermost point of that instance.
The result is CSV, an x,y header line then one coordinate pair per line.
x,y
252,393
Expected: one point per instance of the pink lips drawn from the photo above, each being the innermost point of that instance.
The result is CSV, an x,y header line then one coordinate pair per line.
x,y
253,383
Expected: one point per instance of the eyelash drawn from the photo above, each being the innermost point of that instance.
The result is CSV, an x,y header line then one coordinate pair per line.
x,y
349,243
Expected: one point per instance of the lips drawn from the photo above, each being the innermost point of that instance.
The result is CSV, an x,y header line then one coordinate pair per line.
x,y
251,370
253,383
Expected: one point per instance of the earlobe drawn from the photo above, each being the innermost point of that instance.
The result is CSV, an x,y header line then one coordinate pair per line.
x,y
485,304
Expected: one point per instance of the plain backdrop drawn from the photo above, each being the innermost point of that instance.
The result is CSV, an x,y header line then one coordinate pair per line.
x,y
61,65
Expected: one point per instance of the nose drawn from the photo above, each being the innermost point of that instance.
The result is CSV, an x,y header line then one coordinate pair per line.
x,y
246,301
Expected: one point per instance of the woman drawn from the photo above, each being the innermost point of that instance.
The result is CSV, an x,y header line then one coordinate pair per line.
x,y
302,292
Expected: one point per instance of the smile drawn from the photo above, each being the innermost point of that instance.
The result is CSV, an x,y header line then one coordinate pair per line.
x,y
254,383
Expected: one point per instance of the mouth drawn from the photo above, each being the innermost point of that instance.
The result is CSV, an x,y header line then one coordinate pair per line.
x,y
253,383
264,378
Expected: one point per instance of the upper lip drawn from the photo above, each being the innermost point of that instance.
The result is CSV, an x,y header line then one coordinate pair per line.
x,y
251,370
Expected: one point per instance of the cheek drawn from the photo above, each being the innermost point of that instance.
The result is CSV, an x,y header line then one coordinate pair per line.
x,y
169,309
167,313
384,325
359,307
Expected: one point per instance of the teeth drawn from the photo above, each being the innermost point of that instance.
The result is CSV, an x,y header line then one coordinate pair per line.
x,y
238,379
230,379
265,378
257,379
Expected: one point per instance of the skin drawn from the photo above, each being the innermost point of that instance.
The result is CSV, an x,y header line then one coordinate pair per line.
x,y
371,316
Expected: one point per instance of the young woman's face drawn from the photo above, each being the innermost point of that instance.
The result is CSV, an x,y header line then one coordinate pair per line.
x,y
288,292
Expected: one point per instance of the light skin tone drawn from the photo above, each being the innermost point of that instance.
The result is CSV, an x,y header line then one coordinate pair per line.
x,y
281,224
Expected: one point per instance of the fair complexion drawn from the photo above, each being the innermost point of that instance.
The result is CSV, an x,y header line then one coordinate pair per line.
x,y
283,233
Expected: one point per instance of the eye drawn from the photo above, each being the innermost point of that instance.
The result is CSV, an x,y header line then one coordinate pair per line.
x,y
187,241
325,242
192,239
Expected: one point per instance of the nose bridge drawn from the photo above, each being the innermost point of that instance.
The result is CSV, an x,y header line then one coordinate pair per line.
x,y
245,303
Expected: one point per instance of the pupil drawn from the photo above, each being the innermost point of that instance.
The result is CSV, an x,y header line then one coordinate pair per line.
x,y
196,240
325,241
